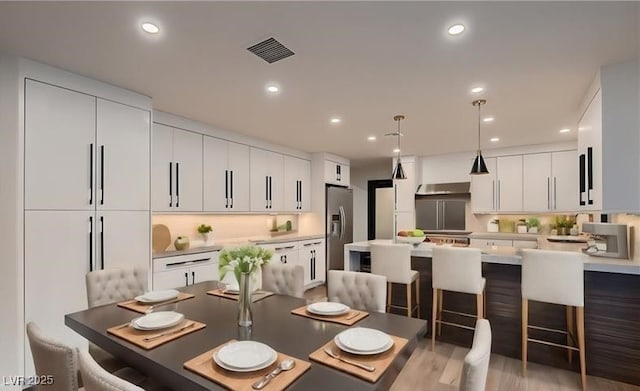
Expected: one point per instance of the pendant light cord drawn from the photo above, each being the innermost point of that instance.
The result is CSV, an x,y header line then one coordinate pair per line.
x,y
399,139
479,126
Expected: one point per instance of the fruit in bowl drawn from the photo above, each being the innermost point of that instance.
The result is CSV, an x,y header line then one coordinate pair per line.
x,y
414,237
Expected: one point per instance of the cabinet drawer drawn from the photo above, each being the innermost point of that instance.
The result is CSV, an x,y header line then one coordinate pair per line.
x,y
183,261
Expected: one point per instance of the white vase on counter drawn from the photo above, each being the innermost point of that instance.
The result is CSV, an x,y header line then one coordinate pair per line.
x,y
207,238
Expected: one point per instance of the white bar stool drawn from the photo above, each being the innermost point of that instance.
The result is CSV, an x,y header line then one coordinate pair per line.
x,y
394,262
455,269
555,277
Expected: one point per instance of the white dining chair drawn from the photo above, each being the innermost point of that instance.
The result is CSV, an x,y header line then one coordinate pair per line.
x,y
555,277
96,378
393,260
53,358
476,363
283,279
363,291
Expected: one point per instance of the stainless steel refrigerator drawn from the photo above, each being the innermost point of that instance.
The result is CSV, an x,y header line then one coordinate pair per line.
x,y
339,224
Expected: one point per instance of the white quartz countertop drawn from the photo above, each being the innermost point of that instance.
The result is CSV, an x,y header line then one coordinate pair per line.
x,y
511,256
503,235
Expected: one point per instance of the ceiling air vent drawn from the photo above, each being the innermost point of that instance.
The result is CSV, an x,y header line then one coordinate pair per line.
x,y
270,50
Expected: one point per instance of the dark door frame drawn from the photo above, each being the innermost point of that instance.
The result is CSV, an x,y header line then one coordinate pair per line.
x,y
372,185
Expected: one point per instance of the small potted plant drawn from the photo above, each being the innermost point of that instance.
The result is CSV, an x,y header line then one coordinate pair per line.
x,y
206,232
533,225
563,224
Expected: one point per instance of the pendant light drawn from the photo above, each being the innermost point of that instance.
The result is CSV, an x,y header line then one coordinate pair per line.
x,y
398,171
479,167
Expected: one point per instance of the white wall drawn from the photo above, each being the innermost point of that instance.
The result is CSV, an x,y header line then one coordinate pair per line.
x,y
361,173
11,334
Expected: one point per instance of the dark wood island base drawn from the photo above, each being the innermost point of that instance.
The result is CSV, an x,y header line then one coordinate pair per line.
x,y
612,319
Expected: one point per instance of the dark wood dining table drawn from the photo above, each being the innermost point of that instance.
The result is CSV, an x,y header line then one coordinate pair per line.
x,y
273,324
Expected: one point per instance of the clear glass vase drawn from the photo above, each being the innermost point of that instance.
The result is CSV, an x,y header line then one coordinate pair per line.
x,y
244,301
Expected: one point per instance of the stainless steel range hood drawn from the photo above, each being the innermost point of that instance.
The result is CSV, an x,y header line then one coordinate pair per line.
x,y
456,188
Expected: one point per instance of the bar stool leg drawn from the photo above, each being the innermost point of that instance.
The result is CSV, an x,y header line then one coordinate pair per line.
x,y
525,334
389,290
434,313
570,328
440,304
409,307
583,366
418,295
479,306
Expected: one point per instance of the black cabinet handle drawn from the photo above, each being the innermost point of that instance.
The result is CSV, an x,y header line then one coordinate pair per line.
x,y
300,194
177,185
285,258
589,174
90,243
338,174
582,177
102,175
193,278
270,192
226,188
102,242
266,191
186,279
231,189
91,174
170,184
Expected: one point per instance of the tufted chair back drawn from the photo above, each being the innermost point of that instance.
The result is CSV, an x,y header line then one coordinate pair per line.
x,y
476,362
283,279
111,285
95,378
364,291
53,358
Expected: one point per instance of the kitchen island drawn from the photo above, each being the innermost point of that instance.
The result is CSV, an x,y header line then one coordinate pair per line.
x,y
612,310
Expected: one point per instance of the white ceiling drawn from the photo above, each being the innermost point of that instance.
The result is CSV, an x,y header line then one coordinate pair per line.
x,y
364,62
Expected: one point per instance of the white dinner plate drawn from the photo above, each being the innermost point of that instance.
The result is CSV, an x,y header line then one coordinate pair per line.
x,y
245,356
352,351
157,320
328,308
362,340
157,296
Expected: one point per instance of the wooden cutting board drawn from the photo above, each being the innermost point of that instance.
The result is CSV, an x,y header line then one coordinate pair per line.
x,y
161,238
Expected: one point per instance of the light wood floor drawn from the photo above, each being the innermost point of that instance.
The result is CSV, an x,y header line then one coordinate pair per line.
x,y
440,370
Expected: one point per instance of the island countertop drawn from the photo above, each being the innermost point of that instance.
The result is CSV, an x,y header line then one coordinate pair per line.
x,y
501,255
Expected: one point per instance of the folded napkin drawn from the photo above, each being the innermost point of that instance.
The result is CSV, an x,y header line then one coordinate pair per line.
x,y
137,337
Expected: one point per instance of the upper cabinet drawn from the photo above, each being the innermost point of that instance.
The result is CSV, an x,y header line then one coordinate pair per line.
x,y
406,188
609,142
501,189
83,152
483,189
267,181
225,176
337,173
176,170
297,184
550,182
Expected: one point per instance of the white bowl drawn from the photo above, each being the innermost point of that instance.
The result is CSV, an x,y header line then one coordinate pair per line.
x,y
411,239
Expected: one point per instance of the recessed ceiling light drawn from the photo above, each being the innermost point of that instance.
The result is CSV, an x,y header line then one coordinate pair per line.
x,y
494,139
456,29
488,119
565,130
150,28
335,120
396,150
476,90
272,89
371,138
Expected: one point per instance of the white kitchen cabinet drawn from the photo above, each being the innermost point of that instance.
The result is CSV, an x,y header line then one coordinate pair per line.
x,y
509,183
225,176
176,170
122,239
267,181
297,184
404,221
479,243
185,270
123,158
525,243
406,188
59,148
483,189
312,254
58,248
337,173
549,181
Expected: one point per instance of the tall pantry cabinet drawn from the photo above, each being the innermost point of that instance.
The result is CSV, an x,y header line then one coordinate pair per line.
x,y
86,198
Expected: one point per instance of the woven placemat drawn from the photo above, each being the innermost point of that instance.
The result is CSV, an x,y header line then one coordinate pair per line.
x,y
348,319
380,361
137,337
142,308
204,366
255,296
